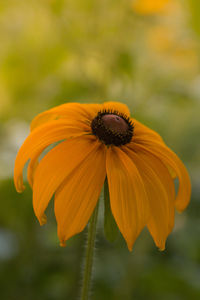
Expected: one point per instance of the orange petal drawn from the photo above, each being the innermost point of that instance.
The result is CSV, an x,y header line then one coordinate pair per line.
x,y
141,132
32,167
77,111
57,164
161,193
128,198
169,158
120,107
42,137
77,197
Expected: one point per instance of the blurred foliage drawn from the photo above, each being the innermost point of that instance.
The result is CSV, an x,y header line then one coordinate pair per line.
x,y
143,53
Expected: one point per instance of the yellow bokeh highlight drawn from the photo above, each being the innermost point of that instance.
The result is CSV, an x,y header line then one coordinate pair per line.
x,y
148,7
179,52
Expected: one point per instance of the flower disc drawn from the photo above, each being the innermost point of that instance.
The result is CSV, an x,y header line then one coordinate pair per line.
x,y
112,128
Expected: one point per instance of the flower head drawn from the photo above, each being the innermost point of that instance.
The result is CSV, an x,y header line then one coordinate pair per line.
x,y
99,141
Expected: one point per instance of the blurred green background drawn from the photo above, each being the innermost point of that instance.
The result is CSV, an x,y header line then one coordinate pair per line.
x,y
143,53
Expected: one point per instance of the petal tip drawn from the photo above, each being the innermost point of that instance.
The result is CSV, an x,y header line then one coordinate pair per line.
x,y
130,246
161,247
43,220
62,243
20,189
19,185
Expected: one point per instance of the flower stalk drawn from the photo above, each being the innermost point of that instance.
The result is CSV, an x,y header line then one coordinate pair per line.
x,y
89,255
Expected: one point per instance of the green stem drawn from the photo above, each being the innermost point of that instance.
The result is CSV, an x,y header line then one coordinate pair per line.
x,y
87,275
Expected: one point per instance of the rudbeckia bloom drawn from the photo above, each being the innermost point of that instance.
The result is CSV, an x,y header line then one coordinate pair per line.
x,y
98,141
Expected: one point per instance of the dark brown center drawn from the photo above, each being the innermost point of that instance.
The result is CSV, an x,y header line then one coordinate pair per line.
x,y
112,128
115,122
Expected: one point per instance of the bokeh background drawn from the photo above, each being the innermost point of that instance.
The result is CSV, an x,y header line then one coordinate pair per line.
x,y
144,53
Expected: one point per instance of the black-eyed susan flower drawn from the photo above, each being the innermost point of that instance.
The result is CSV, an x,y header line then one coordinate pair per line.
x,y
99,141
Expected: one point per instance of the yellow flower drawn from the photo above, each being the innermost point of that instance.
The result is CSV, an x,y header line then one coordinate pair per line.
x,y
148,7
99,140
